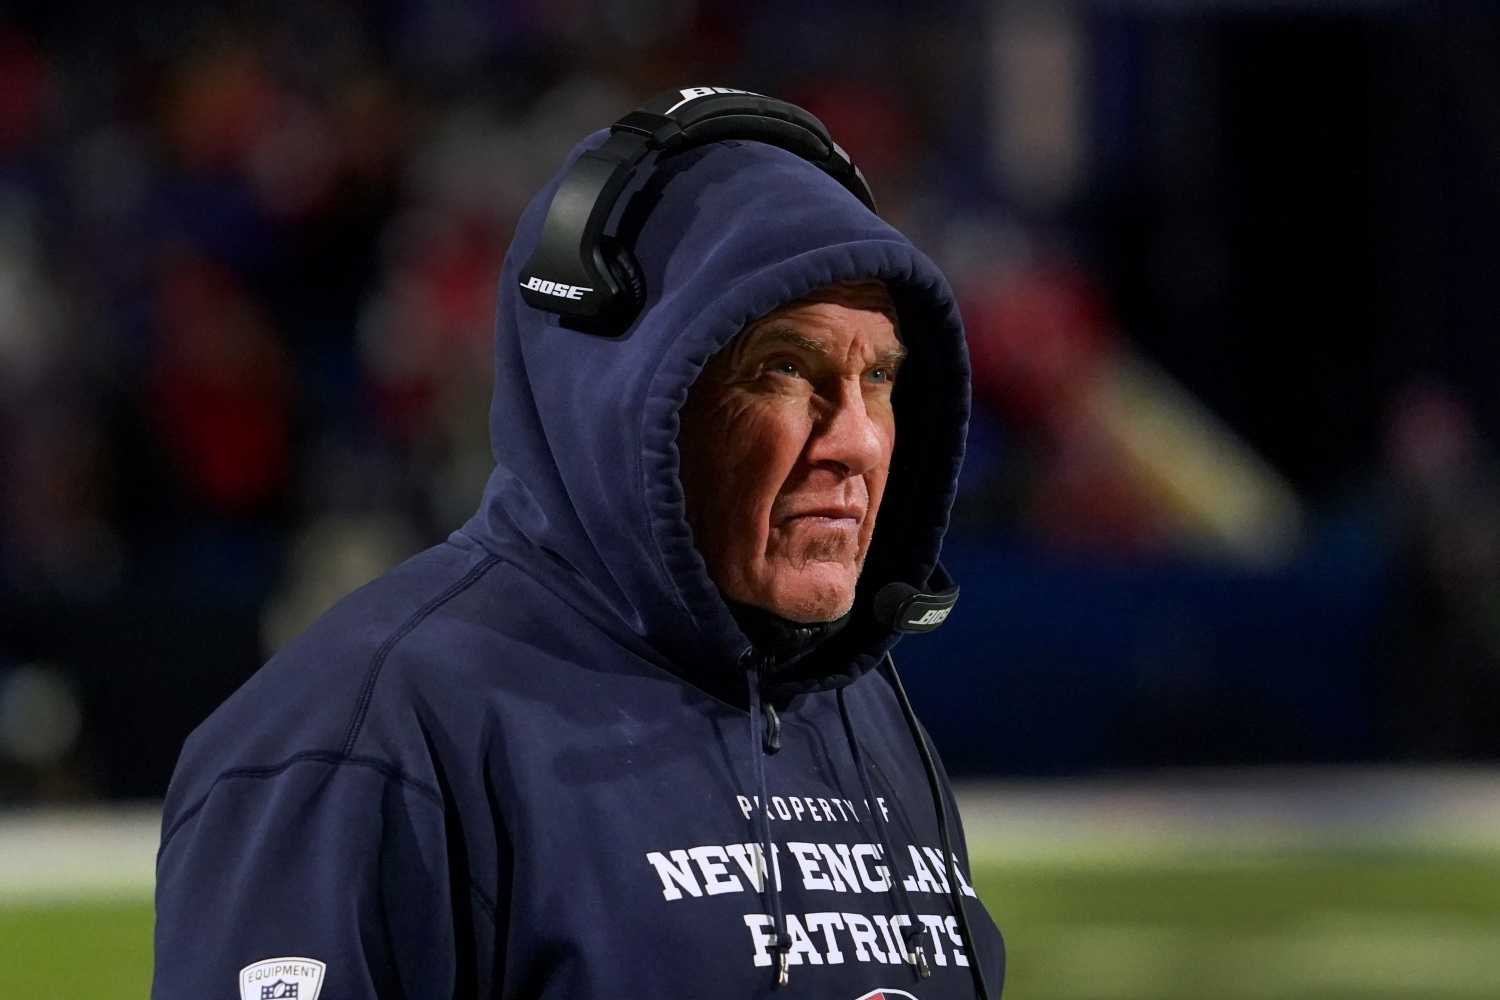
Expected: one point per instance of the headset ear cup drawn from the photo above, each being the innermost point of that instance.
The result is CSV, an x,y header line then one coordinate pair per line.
x,y
627,274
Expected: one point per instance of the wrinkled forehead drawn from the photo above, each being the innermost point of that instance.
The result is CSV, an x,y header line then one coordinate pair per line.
x,y
865,294
860,293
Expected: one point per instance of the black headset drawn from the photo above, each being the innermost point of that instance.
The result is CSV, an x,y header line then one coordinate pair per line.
x,y
592,280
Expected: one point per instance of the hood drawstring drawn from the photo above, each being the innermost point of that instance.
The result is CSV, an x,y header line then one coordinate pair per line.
x,y
774,641
939,804
913,953
760,745
765,739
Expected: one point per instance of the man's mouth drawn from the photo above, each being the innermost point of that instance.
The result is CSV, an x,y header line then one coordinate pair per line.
x,y
833,515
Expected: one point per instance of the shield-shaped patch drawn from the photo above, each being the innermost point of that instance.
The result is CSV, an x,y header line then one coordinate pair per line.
x,y
282,979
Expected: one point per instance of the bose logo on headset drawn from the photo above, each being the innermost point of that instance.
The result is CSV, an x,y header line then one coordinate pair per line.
x,y
933,617
557,288
693,93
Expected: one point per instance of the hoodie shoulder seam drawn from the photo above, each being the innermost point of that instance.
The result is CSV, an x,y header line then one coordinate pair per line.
x,y
367,691
391,772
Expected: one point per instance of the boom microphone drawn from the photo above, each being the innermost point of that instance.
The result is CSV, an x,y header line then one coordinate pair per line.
x,y
907,609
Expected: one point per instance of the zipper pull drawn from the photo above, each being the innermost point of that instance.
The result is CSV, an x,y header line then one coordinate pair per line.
x,y
773,728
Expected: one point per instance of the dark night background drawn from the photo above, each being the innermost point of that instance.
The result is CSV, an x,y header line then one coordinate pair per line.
x,y
1229,271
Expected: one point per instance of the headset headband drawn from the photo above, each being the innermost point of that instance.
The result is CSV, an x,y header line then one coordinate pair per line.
x,y
591,280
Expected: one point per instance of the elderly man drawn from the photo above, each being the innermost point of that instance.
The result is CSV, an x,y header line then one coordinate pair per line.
x,y
633,731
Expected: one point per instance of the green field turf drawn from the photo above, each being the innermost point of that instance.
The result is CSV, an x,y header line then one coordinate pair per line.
x,y
76,952
1323,926
1326,926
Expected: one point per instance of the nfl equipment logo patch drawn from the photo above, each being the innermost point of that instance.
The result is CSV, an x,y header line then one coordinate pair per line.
x,y
282,979
887,995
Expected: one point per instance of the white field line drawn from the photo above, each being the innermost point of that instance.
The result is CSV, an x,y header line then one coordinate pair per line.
x,y
1215,818
1219,817
96,854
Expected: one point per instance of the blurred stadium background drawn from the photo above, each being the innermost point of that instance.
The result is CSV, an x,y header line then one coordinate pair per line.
x,y
1224,686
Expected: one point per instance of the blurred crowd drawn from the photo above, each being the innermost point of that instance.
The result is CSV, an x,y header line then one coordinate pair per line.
x,y
248,256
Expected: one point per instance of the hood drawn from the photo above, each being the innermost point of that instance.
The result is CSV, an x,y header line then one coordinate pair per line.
x,y
585,495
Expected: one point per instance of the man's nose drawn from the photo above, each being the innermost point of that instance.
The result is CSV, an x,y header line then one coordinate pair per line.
x,y
845,435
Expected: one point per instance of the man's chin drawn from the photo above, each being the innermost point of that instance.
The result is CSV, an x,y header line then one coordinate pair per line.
x,y
819,592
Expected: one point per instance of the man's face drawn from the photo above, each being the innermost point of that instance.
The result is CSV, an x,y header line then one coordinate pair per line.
x,y
786,442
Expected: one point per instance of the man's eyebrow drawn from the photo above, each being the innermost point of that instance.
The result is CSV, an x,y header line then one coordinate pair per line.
x,y
786,335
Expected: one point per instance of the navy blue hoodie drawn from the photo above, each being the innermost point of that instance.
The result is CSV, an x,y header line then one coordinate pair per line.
x,y
529,762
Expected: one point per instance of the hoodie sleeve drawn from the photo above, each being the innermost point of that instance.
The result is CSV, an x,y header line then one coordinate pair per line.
x,y
324,878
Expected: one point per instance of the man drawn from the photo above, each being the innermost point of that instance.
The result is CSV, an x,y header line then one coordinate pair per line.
x,y
627,733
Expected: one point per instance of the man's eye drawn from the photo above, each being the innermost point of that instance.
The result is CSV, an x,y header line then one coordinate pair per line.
x,y
784,367
882,375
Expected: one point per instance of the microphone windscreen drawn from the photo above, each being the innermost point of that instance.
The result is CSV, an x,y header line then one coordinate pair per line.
x,y
889,599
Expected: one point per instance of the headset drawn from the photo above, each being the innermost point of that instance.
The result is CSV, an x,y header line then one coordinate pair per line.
x,y
590,278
